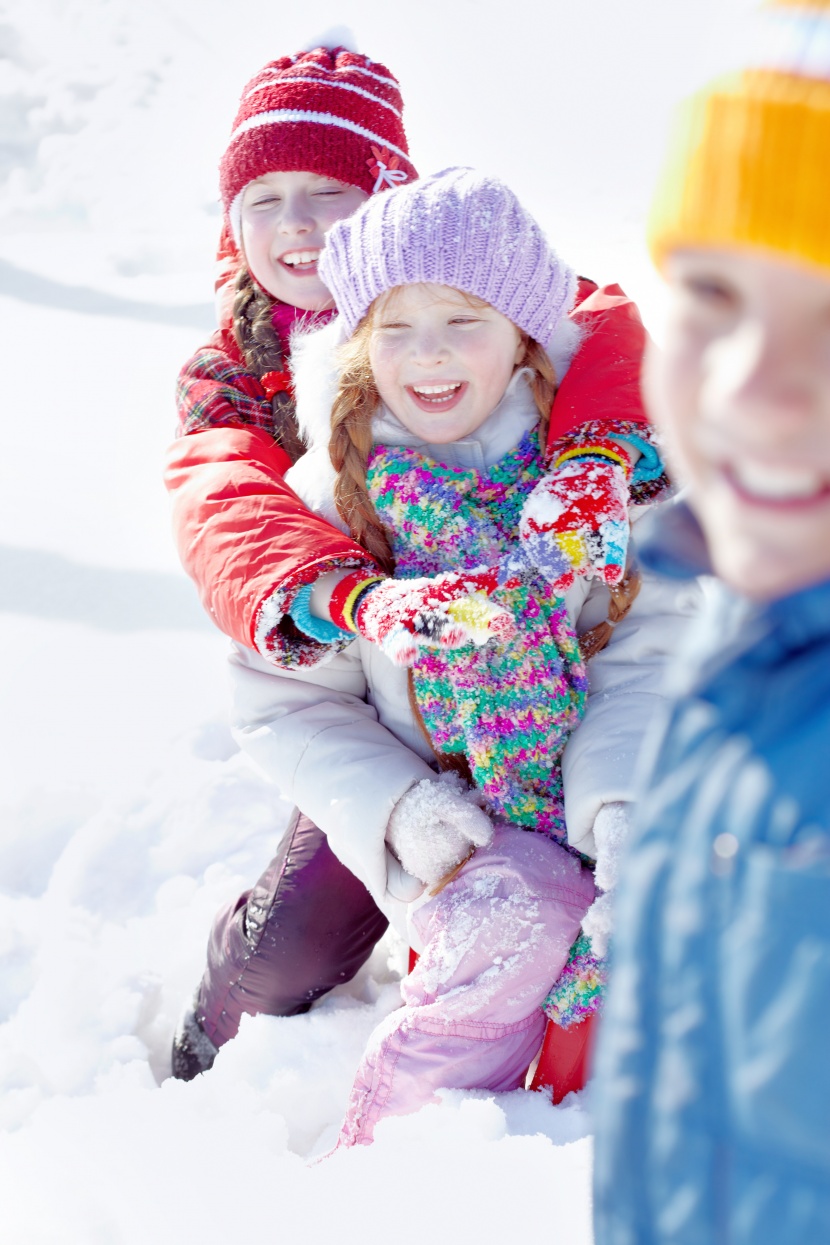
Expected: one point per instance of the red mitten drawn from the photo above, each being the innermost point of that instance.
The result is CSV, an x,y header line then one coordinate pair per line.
x,y
575,522
402,616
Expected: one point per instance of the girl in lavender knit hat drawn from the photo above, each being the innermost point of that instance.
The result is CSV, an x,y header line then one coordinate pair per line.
x,y
441,776
317,133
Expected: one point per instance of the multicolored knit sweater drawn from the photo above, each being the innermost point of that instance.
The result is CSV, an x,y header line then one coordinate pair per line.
x,y
509,708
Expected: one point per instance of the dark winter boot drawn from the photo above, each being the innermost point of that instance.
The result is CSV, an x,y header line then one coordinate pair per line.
x,y
193,1052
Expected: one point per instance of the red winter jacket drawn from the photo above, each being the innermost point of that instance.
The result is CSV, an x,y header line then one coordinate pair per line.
x,y
248,541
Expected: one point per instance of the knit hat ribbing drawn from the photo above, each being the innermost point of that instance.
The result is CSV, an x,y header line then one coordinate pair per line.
x,y
458,228
748,160
327,111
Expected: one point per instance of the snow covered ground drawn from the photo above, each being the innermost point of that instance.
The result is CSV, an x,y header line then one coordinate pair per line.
x,y
127,814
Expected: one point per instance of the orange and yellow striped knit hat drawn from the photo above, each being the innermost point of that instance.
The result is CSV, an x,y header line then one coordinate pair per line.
x,y
748,162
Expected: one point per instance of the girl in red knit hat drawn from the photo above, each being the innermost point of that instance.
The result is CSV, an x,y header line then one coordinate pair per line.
x,y
315,135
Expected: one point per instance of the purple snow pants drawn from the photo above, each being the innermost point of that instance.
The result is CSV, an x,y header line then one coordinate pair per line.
x,y
494,941
306,926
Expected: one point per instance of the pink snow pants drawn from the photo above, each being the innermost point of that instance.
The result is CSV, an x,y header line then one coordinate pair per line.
x,y
495,939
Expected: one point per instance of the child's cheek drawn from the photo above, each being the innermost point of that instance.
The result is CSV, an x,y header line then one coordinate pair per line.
x,y
384,354
255,232
385,360
488,359
671,380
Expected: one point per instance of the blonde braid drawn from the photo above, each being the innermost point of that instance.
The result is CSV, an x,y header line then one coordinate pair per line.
x,y
354,406
543,384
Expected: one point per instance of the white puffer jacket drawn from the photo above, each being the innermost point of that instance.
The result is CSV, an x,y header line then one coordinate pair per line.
x,y
340,740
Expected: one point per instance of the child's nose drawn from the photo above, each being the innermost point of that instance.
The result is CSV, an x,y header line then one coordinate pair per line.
x,y
429,347
295,217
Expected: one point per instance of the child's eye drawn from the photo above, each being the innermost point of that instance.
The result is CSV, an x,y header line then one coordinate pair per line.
x,y
711,290
393,324
329,188
465,320
265,201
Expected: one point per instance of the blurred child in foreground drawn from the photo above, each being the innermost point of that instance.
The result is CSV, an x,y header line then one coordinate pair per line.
x,y
713,1084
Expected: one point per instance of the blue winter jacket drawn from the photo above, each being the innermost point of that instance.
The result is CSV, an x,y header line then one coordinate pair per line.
x,y
713,1067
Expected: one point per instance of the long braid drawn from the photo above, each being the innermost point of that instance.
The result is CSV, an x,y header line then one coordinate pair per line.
x,y
354,406
543,384
261,349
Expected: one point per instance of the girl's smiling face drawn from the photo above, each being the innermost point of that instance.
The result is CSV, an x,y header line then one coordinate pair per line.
x,y
742,391
441,361
284,218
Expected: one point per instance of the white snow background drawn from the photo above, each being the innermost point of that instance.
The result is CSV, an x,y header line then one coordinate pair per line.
x,y
128,815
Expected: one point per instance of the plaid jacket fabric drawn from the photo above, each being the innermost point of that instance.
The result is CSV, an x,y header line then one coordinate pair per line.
x,y
215,390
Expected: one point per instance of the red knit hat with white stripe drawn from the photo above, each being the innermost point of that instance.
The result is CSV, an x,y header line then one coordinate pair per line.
x,y
328,111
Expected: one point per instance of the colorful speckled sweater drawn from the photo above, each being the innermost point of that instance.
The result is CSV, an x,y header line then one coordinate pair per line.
x,y
509,708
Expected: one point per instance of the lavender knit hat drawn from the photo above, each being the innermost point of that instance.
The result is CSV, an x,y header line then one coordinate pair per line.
x,y
458,228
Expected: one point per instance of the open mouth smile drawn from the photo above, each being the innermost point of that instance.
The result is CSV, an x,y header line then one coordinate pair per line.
x,y
300,262
783,487
441,397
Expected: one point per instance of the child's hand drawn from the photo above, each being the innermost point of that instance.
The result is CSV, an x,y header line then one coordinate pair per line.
x,y
403,616
575,522
435,826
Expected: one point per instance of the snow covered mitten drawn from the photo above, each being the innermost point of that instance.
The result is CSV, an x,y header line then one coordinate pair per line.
x,y
575,522
611,831
402,616
435,825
